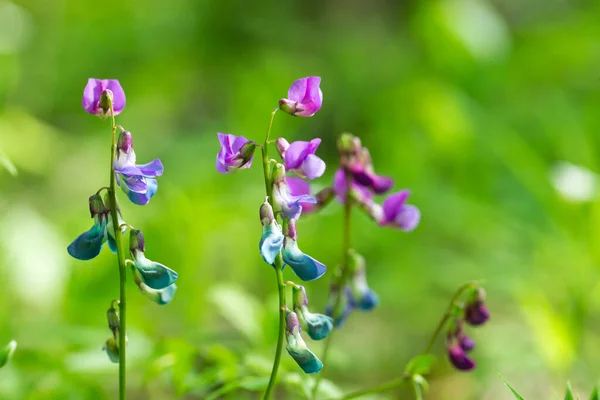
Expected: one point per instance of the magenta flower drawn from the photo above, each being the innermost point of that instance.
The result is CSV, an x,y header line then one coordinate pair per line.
x,y
304,97
364,173
459,358
476,313
299,187
96,95
236,153
398,214
300,158
357,191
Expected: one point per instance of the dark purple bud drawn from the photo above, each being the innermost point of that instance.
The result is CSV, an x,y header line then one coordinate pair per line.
x,y
136,242
97,206
476,312
459,359
466,343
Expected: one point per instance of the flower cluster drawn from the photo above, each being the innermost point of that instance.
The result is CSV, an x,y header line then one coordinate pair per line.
x,y
106,98
283,206
458,344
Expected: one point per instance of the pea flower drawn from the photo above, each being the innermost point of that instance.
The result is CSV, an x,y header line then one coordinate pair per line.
x,y
344,307
154,275
304,97
287,203
236,153
89,244
299,157
458,357
398,214
358,192
304,266
296,346
476,312
97,94
136,180
271,240
364,298
299,187
318,326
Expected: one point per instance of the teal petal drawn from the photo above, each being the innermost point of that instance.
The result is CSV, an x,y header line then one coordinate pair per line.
x,y
271,242
89,244
303,265
305,358
112,243
318,326
160,297
154,275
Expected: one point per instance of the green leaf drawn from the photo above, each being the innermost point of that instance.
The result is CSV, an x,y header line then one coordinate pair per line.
x,y
7,353
514,392
595,395
420,364
569,394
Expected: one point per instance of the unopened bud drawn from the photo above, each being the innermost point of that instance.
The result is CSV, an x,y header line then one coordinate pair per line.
x,y
266,213
247,152
282,146
278,174
300,298
97,205
112,316
125,141
136,241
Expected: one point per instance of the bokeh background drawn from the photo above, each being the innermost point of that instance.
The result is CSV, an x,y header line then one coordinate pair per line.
x,y
487,110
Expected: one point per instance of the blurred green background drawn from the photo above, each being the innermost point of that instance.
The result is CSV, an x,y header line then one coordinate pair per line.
x,y
487,110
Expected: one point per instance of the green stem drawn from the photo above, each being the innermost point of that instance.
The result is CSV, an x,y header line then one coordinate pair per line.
x,y
278,268
440,326
342,277
122,265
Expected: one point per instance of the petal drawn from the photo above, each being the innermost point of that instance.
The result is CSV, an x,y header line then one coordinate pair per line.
x,y
118,94
271,242
88,244
298,151
91,95
381,184
318,325
152,169
393,205
141,199
298,90
160,297
155,275
313,167
297,186
459,359
367,301
135,183
408,218
306,360
304,266
238,142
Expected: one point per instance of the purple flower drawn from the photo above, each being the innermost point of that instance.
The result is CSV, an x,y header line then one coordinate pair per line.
x,y
476,313
236,153
466,343
304,97
358,192
459,358
299,187
289,204
96,95
398,214
136,180
299,157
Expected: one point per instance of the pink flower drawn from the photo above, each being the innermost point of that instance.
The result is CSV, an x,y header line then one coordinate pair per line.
x,y
304,97
96,94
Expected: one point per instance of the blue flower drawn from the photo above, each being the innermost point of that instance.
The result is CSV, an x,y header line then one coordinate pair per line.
x,y
296,347
339,311
136,180
89,244
318,326
154,275
304,266
288,204
364,298
271,240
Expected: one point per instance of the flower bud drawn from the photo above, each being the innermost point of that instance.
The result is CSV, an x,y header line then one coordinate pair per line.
x,y
348,143
7,352
364,298
476,312
136,242
112,349
105,102
114,324
459,358
282,146
296,346
125,142
271,240
299,297
266,214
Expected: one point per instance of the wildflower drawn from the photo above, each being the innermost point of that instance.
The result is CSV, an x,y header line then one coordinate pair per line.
x,y
358,192
398,214
303,265
88,244
154,275
99,93
304,97
476,312
339,311
317,325
236,153
299,157
271,240
136,180
364,298
459,358
289,205
296,346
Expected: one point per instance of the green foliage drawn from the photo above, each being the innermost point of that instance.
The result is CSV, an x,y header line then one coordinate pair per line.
x,y
513,391
420,365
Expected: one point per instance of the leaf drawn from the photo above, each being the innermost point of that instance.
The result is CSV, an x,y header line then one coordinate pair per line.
x,y
7,353
420,364
595,395
254,383
514,392
569,394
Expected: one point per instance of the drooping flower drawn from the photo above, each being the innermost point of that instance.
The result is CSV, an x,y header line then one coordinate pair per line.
x,y
459,358
285,202
304,97
304,266
398,214
364,298
88,244
236,153
476,313
296,346
339,311
136,180
299,157
318,326
154,275
271,240
98,94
